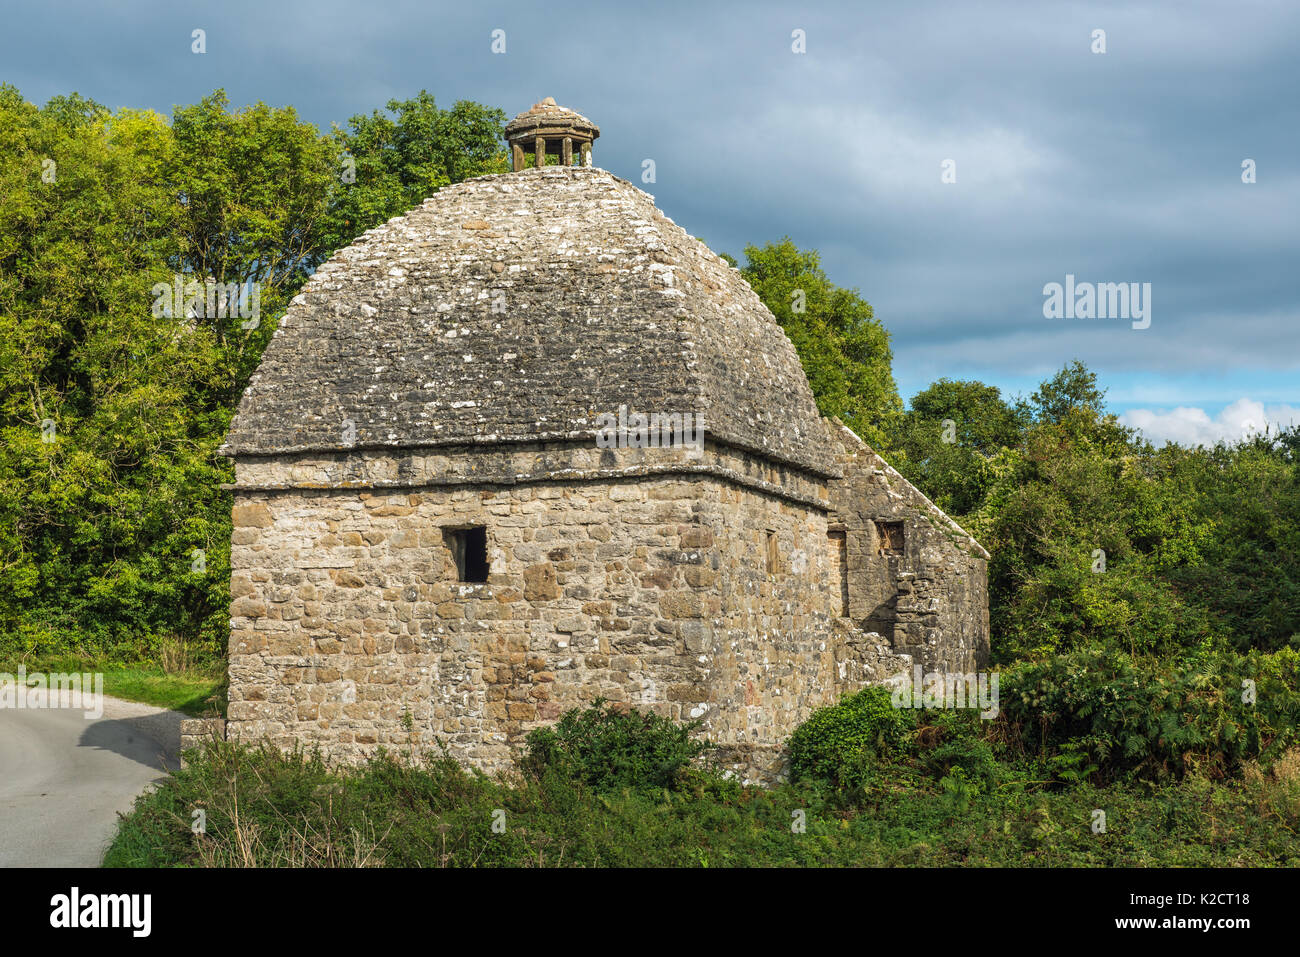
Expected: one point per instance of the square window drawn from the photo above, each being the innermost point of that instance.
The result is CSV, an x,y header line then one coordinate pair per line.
x,y
469,550
889,538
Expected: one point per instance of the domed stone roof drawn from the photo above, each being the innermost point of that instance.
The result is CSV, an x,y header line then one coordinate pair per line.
x,y
521,307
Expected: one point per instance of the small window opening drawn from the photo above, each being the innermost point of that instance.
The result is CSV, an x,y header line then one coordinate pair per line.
x,y
889,538
773,554
469,549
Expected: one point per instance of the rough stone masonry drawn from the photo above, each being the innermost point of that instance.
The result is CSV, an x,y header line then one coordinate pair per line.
x,y
429,543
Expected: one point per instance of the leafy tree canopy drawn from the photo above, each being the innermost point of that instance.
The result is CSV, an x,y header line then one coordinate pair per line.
x,y
404,154
844,349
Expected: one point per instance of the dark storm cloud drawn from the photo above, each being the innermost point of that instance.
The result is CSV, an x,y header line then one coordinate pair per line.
x,y
1117,167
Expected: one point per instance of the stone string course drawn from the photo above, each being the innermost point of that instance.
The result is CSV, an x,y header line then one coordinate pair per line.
x,y
521,463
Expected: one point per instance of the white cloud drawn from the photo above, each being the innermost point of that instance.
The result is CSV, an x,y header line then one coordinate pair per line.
x,y
1191,426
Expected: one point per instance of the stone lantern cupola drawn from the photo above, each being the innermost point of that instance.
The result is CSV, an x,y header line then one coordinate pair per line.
x,y
547,128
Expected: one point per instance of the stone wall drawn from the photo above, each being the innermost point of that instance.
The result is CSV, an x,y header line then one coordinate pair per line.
x,y
929,599
351,630
705,586
777,648
196,731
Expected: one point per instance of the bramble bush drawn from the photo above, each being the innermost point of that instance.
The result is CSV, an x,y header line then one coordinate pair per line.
x,y
955,744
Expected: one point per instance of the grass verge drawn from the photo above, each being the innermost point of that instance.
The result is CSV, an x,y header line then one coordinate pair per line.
x,y
196,690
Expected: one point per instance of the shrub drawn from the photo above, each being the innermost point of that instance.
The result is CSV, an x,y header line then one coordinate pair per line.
x,y
1102,710
1276,793
837,745
953,741
609,748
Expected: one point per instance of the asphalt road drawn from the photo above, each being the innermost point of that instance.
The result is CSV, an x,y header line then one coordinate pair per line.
x,y
64,778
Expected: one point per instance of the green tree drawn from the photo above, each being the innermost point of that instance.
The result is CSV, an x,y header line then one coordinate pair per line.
x,y
1248,497
106,471
983,421
1084,529
844,350
255,187
1074,387
391,161
947,440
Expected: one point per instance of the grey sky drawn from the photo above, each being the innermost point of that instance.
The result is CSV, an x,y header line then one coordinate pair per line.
x,y
1118,167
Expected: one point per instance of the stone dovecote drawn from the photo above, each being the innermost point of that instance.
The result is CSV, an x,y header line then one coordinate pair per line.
x,y
436,540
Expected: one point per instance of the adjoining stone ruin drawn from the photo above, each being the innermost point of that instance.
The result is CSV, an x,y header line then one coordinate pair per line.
x,y
429,543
